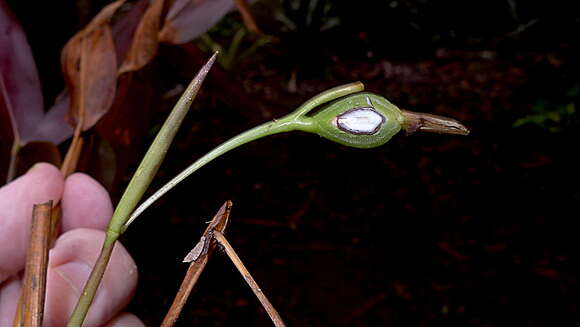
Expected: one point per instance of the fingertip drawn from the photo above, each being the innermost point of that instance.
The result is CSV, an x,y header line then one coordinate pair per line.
x,y
43,181
9,296
85,203
125,320
71,261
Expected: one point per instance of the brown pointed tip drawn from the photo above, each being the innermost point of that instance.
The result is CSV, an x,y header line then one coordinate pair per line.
x,y
416,121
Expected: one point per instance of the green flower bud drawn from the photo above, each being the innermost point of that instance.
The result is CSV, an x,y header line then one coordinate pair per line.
x,y
362,120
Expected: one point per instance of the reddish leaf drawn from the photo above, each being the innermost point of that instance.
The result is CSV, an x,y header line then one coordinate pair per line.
x,y
187,19
89,64
145,42
20,94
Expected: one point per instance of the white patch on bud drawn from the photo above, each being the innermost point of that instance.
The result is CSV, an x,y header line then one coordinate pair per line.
x,y
360,121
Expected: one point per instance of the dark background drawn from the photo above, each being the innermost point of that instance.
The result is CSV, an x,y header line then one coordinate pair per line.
x,y
427,230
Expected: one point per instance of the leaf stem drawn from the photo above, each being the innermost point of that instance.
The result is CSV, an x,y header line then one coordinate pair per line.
x,y
283,125
297,120
90,290
329,95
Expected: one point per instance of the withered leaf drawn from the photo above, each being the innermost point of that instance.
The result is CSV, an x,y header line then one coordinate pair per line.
x,y
89,64
145,41
124,28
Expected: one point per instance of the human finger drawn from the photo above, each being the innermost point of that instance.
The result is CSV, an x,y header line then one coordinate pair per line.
x,y
125,320
41,183
85,203
70,263
9,295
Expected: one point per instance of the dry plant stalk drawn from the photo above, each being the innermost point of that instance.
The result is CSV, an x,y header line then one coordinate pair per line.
x,y
276,319
198,257
31,305
249,20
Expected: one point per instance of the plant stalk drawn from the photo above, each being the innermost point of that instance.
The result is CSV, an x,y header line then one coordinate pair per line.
x,y
134,191
90,290
286,124
296,120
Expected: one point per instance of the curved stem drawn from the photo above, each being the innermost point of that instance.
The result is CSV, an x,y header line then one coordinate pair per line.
x,y
327,96
294,121
286,124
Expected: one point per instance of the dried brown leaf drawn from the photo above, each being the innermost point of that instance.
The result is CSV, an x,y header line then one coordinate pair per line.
x,y
89,64
125,27
145,41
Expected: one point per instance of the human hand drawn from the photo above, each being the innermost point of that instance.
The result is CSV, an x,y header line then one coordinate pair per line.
x,y
86,209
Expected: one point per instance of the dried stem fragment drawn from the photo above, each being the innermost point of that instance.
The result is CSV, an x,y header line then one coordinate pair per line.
x,y
31,305
274,316
218,223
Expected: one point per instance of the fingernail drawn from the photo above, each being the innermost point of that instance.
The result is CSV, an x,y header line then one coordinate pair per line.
x,y
74,273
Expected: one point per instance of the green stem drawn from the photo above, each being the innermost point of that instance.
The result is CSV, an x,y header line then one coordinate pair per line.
x,y
82,307
327,96
297,120
286,124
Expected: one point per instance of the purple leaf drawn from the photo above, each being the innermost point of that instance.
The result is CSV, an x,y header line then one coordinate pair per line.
x,y
53,126
19,83
187,19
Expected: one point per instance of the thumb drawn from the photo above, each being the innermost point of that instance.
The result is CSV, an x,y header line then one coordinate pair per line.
x,y
70,263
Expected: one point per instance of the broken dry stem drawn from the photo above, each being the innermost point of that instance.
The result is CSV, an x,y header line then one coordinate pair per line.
x,y
276,319
247,16
197,265
31,305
